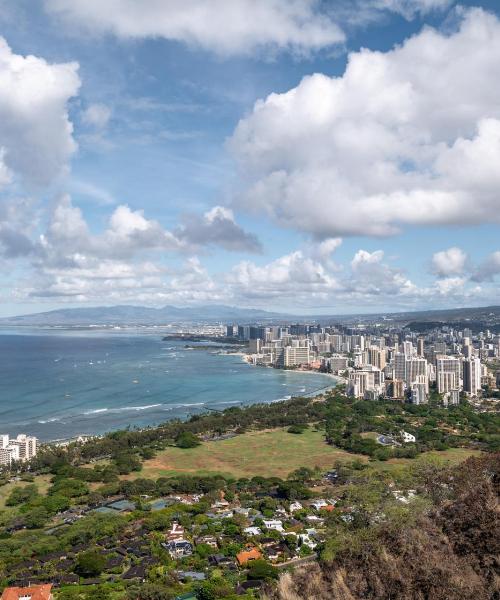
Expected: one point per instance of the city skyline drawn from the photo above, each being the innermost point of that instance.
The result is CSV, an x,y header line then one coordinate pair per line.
x,y
304,157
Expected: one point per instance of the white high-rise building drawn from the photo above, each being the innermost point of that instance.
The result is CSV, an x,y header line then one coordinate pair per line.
x,y
448,373
23,448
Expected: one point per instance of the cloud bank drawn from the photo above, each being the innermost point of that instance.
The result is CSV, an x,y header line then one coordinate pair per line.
x,y
405,137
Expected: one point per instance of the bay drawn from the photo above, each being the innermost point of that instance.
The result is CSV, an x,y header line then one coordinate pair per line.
x,y
57,384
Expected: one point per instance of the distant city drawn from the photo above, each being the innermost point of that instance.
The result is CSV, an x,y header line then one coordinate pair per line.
x,y
377,362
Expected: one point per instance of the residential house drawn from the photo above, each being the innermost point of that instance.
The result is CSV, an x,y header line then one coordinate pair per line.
x,y
275,524
34,592
248,555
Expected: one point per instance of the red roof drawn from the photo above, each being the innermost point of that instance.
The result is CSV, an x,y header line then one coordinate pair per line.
x,y
248,555
34,592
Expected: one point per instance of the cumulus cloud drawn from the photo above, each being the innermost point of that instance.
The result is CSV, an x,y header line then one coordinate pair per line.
x,y
36,135
128,233
218,227
449,262
404,137
222,26
294,274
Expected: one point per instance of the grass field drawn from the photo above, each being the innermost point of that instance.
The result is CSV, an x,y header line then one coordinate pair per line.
x,y
41,481
267,453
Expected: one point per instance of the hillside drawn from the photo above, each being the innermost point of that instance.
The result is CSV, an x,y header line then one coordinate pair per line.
x,y
446,551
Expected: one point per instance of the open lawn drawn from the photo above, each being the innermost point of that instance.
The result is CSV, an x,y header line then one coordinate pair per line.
x,y
41,481
266,453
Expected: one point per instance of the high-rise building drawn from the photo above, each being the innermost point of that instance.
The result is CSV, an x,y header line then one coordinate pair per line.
x,y
447,373
376,357
420,346
472,375
418,393
23,448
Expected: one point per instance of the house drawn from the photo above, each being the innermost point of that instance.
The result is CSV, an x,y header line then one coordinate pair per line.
x,y
277,550
176,532
408,437
135,572
294,506
314,519
319,504
252,531
191,575
307,538
34,592
219,560
248,555
209,540
275,524
179,548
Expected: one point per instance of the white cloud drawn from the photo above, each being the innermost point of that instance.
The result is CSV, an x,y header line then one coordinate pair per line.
x,y
450,285
408,8
130,234
36,138
378,148
449,262
222,26
97,115
217,227
293,275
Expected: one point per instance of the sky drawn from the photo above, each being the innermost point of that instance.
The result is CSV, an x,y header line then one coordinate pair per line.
x,y
305,156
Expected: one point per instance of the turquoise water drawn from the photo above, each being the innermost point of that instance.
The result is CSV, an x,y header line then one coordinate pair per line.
x,y
59,384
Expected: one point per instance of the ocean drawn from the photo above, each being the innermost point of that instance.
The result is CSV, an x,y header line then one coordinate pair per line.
x,y
57,384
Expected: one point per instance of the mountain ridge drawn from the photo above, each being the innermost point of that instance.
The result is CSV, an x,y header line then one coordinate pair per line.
x,y
126,314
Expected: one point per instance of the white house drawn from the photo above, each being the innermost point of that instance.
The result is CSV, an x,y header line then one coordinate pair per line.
x,y
319,504
252,531
274,524
408,437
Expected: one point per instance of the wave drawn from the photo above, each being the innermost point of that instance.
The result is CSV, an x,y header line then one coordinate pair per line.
x,y
53,420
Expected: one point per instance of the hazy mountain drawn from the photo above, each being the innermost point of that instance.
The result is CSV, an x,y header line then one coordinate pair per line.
x,y
142,315
139,315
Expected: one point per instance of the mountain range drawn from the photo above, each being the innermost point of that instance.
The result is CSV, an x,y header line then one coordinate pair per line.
x,y
141,315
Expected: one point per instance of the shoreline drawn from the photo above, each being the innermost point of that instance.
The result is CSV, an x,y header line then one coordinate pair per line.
x,y
85,438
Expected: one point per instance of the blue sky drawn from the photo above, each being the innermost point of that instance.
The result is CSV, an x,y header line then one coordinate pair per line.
x,y
293,155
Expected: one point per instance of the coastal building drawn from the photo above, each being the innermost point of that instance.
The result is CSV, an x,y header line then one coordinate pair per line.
x,y
22,448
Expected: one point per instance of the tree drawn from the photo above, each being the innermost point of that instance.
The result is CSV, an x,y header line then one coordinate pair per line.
x,y
98,593
148,591
261,569
36,518
90,564
186,439
19,495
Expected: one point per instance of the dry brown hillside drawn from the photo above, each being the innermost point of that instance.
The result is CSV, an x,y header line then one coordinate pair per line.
x,y
450,553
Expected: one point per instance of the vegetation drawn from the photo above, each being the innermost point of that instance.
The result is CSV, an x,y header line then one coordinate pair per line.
x,y
444,545
263,459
